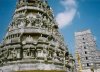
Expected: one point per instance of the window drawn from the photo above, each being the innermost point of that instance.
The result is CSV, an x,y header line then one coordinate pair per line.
x,y
84,47
86,58
85,52
83,42
88,64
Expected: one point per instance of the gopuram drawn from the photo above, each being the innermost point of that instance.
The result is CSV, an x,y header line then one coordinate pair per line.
x,y
32,42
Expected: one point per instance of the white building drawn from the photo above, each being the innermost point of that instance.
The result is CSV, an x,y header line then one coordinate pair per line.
x,y
87,57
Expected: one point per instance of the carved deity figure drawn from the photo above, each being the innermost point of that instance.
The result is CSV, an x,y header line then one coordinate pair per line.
x,y
29,39
12,54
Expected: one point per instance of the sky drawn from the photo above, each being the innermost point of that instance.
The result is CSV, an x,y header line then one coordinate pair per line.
x,y
71,16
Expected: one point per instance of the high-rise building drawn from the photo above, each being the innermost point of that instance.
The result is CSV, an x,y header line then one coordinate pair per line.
x,y
86,51
33,41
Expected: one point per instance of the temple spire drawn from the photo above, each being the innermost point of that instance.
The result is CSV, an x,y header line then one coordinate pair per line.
x,y
33,41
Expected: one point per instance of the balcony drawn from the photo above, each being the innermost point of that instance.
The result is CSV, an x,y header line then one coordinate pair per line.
x,y
29,30
29,7
41,45
12,40
29,46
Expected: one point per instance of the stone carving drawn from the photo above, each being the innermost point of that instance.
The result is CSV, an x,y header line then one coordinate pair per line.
x,y
30,20
13,54
38,39
40,53
29,39
34,53
45,54
28,52
21,1
22,24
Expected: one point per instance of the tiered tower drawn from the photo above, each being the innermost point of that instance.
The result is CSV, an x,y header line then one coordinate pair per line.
x,y
85,51
33,41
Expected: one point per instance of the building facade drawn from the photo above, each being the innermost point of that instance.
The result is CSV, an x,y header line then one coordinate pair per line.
x,y
33,41
86,52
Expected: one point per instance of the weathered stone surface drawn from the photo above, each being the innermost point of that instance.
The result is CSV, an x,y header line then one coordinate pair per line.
x,y
33,41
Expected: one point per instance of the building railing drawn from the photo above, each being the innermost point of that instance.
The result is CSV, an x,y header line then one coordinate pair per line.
x,y
29,7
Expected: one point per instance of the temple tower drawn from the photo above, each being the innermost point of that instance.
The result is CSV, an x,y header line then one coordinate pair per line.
x,y
33,41
85,50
